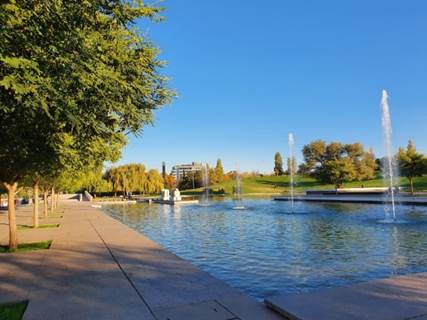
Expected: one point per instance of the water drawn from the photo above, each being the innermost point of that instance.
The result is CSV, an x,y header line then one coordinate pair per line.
x,y
291,143
266,252
389,167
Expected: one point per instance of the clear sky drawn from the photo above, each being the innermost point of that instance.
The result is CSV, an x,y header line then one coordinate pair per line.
x,y
249,72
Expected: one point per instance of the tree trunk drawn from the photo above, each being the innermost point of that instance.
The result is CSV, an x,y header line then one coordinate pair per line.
x,y
13,239
411,182
57,201
36,204
46,205
52,201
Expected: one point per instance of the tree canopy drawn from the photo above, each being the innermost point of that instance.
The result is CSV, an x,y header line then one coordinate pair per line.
x,y
217,175
337,163
134,178
278,164
75,78
411,163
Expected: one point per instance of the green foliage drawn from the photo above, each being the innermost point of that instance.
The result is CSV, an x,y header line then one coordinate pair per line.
x,y
218,174
134,178
24,247
338,171
42,226
154,183
89,179
194,180
411,163
338,163
75,79
13,311
278,164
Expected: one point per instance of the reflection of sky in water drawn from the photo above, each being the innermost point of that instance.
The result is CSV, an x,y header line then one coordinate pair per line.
x,y
265,250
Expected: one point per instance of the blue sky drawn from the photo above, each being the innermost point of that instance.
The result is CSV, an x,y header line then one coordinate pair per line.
x,y
249,72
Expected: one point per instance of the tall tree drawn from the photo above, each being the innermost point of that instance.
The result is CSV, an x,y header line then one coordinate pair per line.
x,y
278,164
219,172
71,73
411,163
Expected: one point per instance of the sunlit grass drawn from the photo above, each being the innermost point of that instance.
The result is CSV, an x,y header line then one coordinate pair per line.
x,y
280,184
25,247
42,226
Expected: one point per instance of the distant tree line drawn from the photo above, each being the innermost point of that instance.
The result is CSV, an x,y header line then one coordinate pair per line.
x,y
196,179
336,163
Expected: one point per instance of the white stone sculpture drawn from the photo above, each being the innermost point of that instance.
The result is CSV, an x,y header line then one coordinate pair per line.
x,y
165,195
176,195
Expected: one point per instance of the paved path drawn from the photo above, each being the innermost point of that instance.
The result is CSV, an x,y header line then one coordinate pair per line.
x,y
99,268
400,298
357,199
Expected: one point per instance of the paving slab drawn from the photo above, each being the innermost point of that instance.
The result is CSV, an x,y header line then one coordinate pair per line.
x,y
244,307
208,310
395,298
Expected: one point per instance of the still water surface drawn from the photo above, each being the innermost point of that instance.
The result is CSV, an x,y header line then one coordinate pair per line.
x,y
265,250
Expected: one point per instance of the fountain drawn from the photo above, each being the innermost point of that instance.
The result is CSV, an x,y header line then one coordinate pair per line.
x,y
205,201
238,192
389,165
291,143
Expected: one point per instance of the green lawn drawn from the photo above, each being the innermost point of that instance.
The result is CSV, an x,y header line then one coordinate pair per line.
x,y
13,311
42,226
24,247
53,217
280,184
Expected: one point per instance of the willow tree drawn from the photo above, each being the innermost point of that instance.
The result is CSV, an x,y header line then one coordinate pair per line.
x,y
72,72
133,178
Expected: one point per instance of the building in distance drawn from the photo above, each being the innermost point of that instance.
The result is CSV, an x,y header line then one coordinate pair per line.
x,y
180,171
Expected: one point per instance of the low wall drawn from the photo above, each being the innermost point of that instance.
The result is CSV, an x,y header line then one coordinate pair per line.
x,y
351,191
69,196
87,196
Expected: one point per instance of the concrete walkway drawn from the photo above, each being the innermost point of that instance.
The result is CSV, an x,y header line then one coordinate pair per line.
x,y
400,298
99,268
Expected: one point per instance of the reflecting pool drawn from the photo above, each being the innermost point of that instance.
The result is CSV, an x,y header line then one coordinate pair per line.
x,y
265,250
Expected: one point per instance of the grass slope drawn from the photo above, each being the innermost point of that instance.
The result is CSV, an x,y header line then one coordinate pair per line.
x,y
280,184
